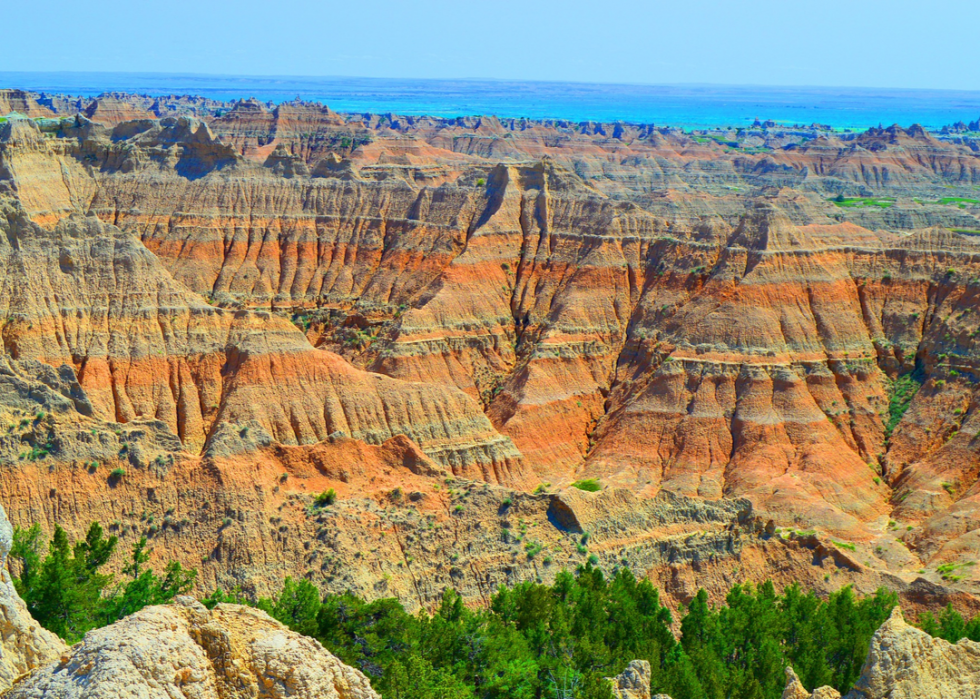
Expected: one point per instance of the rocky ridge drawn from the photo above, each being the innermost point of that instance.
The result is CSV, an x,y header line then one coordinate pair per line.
x,y
184,649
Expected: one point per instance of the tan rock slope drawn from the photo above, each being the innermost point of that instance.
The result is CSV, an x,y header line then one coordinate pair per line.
x,y
184,650
91,297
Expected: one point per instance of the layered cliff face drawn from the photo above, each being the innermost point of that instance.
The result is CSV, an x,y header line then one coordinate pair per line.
x,y
503,301
183,649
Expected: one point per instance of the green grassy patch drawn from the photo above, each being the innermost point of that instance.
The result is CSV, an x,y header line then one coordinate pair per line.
x,y
856,202
966,231
590,485
958,200
901,391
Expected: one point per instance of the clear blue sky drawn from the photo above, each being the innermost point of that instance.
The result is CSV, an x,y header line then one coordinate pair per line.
x,y
786,42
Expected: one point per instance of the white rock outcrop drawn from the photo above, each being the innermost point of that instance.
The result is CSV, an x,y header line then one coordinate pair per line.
x,y
185,650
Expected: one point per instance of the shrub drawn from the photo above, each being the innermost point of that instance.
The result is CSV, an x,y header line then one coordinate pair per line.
x,y
590,485
326,498
533,548
117,473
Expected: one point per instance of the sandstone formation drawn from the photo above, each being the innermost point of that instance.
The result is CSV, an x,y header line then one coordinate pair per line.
x,y
262,302
24,645
183,649
634,682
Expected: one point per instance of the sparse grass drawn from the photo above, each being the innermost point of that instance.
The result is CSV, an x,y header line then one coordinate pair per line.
x,y
590,485
117,473
947,570
901,391
532,548
845,545
855,202
958,200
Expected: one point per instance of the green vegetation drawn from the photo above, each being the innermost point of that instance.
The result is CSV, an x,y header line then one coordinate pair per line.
x,y
533,642
853,202
540,641
901,391
958,200
948,571
66,592
117,473
966,231
590,485
326,498
950,625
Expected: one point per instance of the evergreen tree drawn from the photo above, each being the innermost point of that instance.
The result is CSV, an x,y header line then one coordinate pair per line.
x,y
66,592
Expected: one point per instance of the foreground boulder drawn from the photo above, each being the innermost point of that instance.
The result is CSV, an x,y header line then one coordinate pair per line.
x,y
907,663
634,682
185,650
24,645
796,690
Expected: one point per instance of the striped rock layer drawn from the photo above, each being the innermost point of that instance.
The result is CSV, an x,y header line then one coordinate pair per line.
x,y
533,302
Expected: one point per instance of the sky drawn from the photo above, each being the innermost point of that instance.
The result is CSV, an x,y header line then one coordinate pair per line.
x,y
855,43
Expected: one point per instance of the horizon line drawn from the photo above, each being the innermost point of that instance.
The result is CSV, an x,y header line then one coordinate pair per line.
x,y
270,76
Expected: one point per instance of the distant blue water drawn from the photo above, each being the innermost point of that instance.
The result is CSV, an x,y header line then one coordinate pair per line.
x,y
675,105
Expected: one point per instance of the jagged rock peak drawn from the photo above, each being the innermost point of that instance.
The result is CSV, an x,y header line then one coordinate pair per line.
x,y
634,682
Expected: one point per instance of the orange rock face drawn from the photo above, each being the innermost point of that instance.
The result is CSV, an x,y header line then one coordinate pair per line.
x,y
521,303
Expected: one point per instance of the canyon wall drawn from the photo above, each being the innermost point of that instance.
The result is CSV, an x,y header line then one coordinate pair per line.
x,y
242,306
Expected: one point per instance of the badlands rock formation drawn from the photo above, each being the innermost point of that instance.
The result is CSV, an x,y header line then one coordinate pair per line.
x,y
244,305
185,650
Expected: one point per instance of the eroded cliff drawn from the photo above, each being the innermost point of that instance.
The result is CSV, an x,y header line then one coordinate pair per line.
x,y
502,301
